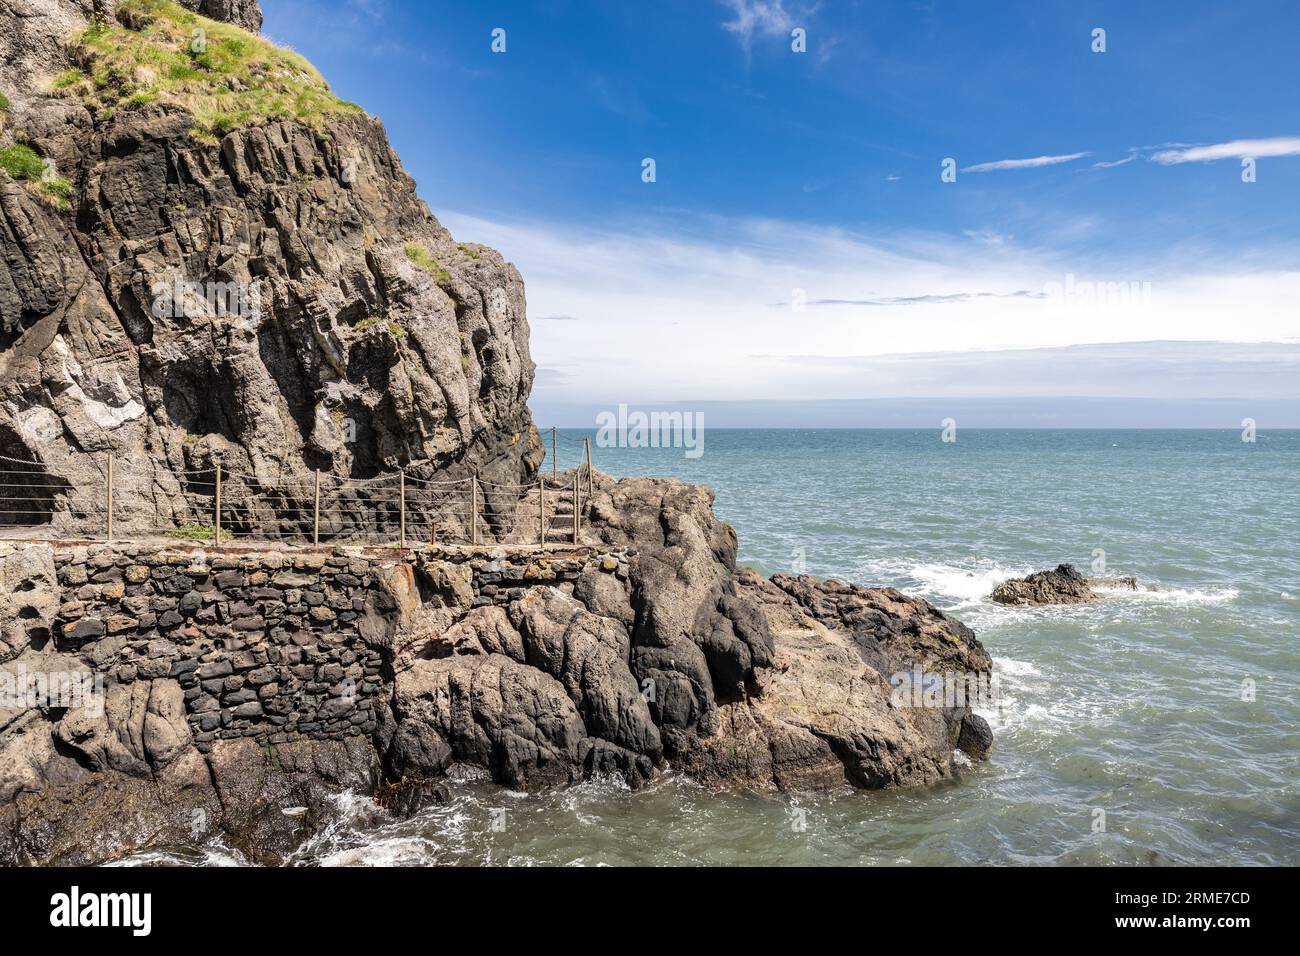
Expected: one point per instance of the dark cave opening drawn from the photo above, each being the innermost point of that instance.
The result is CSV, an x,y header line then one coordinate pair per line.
x,y
29,494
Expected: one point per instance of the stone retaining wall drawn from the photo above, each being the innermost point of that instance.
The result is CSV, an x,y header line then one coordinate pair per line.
x,y
274,645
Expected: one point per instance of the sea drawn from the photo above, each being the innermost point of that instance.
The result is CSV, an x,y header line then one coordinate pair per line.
x,y
1155,727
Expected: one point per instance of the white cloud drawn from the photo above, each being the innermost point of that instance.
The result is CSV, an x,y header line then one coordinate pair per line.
x,y
1238,148
684,309
986,237
1118,162
1157,370
758,17
1031,163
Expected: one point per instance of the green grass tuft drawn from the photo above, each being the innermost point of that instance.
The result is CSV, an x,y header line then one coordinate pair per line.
x,y
421,257
21,162
59,191
225,76
394,328
69,77
4,103
196,532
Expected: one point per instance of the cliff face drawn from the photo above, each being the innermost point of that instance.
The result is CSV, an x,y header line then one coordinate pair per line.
x,y
238,279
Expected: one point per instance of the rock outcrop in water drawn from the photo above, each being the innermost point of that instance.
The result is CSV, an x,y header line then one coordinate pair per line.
x,y
1062,585
377,342
683,660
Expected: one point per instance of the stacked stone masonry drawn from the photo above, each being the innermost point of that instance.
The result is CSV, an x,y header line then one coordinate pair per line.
x,y
272,645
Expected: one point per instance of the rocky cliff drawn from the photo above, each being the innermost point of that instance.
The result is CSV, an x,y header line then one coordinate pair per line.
x,y
208,258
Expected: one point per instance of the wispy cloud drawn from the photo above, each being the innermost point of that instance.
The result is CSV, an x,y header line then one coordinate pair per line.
x,y
1031,163
986,237
377,9
945,299
545,376
359,26
1238,148
617,100
767,18
1169,154
1140,369
1116,162
556,318
891,293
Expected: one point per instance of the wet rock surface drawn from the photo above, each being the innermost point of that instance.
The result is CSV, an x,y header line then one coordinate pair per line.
x,y
1062,585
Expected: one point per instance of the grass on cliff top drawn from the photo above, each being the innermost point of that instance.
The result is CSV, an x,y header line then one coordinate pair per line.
x,y
21,162
157,51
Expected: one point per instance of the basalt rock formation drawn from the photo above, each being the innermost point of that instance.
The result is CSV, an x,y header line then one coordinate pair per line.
x,y
242,689
679,659
273,297
236,691
1062,585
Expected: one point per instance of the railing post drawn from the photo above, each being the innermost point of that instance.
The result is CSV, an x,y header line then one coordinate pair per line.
x,y
541,513
473,511
216,512
553,460
401,519
109,501
587,442
315,514
575,506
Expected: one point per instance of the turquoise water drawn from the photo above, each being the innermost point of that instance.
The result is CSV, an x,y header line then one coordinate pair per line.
x,y
1132,705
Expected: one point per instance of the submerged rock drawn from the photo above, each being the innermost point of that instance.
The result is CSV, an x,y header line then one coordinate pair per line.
x,y
1063,585
1116,584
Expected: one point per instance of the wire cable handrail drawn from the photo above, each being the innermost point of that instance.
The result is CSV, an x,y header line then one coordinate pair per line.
x,y
314,506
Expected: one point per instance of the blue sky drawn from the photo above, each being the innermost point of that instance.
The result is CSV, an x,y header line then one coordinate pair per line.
x,y
798,210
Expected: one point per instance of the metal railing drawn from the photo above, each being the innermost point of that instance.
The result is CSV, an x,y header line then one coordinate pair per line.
x,y
213,505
